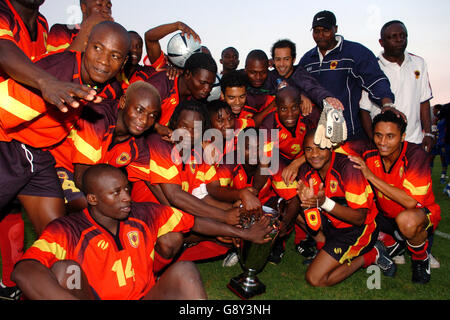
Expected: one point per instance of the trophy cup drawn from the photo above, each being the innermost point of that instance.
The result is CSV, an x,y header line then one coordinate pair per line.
x,y
253,258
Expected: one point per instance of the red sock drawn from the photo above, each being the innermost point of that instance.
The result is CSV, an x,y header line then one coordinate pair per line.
x,y
319,245
299,235
11,244
418,252
387,239
370,257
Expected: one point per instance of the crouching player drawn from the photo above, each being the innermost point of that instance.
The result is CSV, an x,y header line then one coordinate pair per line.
x,y
339,199
111,244
400,174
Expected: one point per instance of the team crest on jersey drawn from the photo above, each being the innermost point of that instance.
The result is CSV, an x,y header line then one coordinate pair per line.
x,y
123,159
333,186
417,74
133,237
333,64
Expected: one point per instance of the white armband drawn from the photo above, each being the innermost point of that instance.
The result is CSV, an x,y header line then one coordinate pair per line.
x,y
328,204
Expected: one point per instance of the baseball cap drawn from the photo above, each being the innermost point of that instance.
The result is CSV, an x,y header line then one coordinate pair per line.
x,y
324,19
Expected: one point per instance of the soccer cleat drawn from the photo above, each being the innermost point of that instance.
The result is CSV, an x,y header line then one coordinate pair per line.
x,y
276,253
230,260
384,261
396,249
421,271
9,293
307,248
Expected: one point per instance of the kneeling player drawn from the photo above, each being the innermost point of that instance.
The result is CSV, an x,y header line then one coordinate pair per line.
x,y
400,173
329,183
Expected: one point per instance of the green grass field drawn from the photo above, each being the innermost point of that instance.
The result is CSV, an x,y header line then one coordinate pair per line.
x,y
286,281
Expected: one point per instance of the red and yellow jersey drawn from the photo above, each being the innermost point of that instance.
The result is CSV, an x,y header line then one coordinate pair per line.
x,y
411,173
160,165
61,36
117,267
170,97
289,145
13,29
159,64
235,176
345,185
91,140
258,101
26,117
142,73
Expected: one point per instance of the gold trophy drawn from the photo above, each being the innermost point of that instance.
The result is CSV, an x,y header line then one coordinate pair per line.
x,y
253,257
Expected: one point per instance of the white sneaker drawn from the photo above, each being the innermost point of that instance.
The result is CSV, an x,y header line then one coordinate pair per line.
x,y
230,260
399,259
434,264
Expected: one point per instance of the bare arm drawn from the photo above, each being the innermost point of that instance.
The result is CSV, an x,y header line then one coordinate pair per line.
x,y
19,67
425,119
249,200
38,282
396,194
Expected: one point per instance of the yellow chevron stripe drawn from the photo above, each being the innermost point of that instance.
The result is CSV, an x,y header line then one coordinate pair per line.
x,y
85,148
51,48
142,169
173,221
6,32
280,185
163,172
358,199
14,106
416,191
51,247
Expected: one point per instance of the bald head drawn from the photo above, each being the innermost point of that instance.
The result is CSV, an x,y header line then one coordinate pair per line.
x,y
145,90
93,177
288,93
113,29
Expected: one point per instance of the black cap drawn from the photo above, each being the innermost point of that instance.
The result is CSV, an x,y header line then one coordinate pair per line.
x,y
324,19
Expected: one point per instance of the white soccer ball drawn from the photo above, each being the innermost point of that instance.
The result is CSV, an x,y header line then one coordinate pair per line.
x,y
180,48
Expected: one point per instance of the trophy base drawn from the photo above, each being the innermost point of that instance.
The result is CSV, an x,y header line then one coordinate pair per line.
x,y
246,287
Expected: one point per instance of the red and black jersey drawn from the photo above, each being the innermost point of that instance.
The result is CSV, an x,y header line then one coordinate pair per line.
x,y
61,36
161,165
258,101
117,266
290,145
345,185
411,173
170,97
142,73
13,29
26,117
91,140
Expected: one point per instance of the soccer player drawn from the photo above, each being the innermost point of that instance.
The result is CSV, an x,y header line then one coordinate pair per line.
x,y
284,53
343,201
111,246
400,174
408,76
234,92
195,82
133,71
108,132
229,60
23,31
345,68
75,37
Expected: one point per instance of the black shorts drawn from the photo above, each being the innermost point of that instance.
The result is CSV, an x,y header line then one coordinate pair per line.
x,y
25,170
389,225
71,192
345,244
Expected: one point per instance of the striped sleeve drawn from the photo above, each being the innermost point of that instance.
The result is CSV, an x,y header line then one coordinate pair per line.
x,y
358,192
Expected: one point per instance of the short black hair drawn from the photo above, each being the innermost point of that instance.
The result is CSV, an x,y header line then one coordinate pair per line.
x,y
390,116
284,43
190,105
257,55
199,61
235,78
230,48
214,106
390,23
93,174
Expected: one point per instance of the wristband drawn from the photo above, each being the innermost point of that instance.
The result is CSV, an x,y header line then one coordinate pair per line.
x,y
328,204
389,104
429,135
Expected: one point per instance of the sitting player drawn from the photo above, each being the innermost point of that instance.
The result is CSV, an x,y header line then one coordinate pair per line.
x,y
344,208
119,236
400,174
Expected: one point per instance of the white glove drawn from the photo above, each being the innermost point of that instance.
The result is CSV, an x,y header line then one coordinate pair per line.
x,y
336,128
320,136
